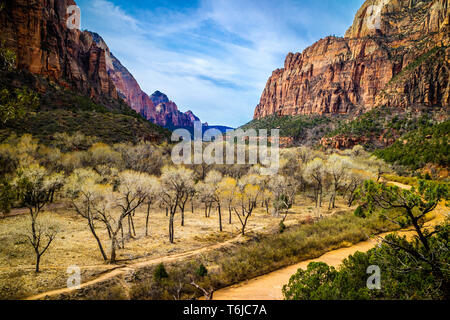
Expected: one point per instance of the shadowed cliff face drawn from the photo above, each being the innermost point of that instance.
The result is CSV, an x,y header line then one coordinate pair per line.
x,y
79,60
157,108
37,31
399,60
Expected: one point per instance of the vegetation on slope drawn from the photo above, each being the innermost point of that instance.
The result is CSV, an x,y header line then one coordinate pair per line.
x,y
34,105
291,126
427,144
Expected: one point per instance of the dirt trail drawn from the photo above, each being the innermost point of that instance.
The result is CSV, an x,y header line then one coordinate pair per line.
x,y
126,269
269,286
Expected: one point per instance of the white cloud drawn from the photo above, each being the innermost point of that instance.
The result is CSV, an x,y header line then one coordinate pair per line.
x,y
213,59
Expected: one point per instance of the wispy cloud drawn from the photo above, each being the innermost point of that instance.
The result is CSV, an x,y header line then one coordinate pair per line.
x,y
212,56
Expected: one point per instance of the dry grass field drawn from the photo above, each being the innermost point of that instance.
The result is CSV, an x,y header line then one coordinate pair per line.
x,y
75,245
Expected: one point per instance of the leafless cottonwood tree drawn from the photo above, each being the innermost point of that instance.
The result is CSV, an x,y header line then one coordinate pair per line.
x,y
315,172
247,197
131,193
212,180
175,184
86,195
34,186
338,168
40,235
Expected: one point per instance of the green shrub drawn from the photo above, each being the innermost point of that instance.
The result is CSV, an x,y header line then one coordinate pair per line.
x,y
202,271
402,276
160,273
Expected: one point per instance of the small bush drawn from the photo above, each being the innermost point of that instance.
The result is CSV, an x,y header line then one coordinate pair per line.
x,y
202,271
160,273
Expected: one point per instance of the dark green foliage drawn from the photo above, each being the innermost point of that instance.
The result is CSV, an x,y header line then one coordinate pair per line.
x,y
109,127
14,105
160,273
289,126
62,110
359,212
402,276
202,271
427,144
7,196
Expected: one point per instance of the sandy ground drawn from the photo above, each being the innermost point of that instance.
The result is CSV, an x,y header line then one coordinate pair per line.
x,y
76,246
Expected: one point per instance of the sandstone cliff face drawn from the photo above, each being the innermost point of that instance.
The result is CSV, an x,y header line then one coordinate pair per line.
x,y
157,108
37,31
403,61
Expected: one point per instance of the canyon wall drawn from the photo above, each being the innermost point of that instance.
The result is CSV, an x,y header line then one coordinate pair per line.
x,y
156,108
399,60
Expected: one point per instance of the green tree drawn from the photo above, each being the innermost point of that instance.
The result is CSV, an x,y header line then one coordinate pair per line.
x,y
412,205
15,106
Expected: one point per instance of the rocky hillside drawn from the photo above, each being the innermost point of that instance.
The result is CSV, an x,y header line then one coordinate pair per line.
x,y
44,46
400,60
157,108
78,61
67,72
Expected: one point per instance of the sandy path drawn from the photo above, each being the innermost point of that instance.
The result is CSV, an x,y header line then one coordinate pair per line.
x,y
125,269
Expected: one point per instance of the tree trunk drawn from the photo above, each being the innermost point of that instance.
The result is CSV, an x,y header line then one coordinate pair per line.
x,y
113,250
171,236
229,211
91,226
38,260
182,216
209,209
132,224
146,219
220,217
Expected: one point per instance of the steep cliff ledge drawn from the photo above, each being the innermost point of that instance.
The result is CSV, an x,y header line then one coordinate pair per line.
x,y
400,60
37,31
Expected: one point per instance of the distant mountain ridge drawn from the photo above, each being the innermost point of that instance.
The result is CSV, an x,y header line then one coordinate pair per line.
x,y
156,108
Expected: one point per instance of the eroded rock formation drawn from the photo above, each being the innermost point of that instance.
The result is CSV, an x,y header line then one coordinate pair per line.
x,y
400,60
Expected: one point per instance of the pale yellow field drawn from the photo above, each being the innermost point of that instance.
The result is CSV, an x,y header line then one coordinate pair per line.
x,y
76,246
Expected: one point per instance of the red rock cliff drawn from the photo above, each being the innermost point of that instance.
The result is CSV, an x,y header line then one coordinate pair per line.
x,y
37,31
156,108
398,60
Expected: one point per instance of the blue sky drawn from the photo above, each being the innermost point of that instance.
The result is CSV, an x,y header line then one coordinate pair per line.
x,y
212,56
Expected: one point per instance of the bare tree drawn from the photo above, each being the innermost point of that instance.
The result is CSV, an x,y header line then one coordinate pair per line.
x,y
153,192
131,193
283,190
212,180
175,184
337,166
86,195
34,186
40,234
246,199
314,172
